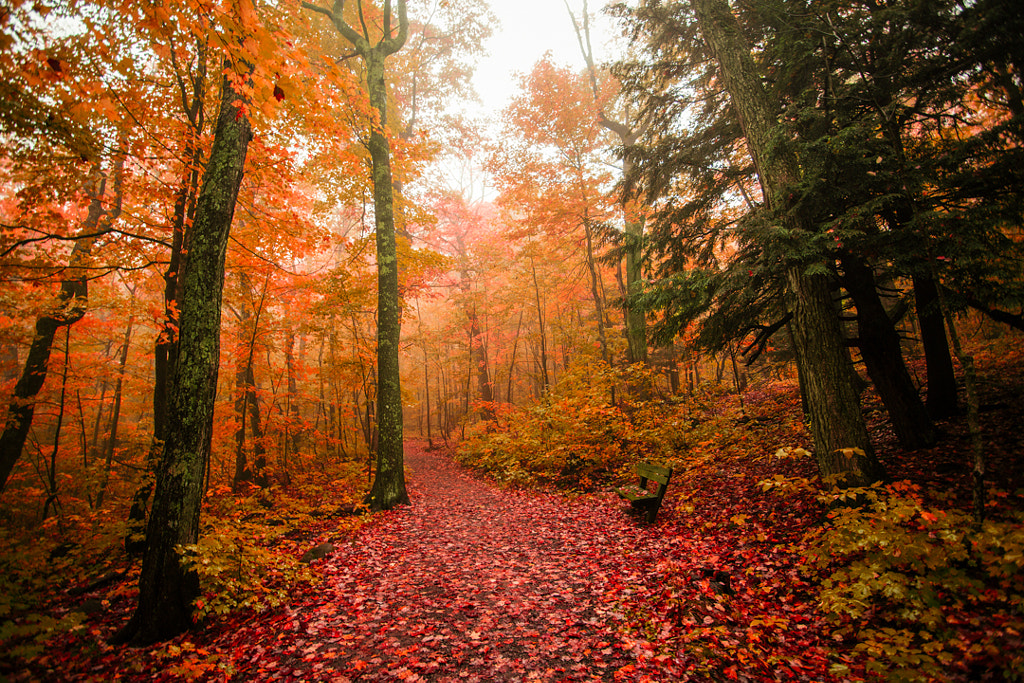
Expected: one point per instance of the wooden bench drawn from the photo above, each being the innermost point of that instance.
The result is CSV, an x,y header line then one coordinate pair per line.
x,y
641,497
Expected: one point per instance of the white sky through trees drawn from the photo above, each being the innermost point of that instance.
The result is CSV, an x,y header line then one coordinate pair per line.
x,y
528,29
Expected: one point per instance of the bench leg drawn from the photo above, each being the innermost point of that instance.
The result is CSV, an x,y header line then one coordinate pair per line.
x,y
652,512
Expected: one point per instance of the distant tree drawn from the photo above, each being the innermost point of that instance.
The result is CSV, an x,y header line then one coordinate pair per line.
x,y
549,172
626,132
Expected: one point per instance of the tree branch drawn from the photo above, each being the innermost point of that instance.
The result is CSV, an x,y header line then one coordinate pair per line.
x,y
765,333
337,17
1014,320
392,45
622,130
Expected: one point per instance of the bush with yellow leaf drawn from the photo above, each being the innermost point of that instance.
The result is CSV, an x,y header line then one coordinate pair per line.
x,y
919,589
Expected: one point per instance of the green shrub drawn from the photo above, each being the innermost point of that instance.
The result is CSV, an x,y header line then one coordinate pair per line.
x,y
247,556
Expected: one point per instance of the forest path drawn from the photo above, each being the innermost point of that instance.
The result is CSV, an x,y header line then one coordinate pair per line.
x,y
469,583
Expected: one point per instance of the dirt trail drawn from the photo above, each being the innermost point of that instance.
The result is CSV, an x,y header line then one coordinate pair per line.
x,y
469,583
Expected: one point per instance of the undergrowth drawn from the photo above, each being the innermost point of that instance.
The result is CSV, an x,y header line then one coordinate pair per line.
x,y
920,588
901,585
247,558
576,438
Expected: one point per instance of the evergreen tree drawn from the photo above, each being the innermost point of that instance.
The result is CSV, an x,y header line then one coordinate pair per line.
x,y
903,120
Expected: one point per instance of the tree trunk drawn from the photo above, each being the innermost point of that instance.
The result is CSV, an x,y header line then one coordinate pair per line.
x,y
942,389
68,308
545,381
167,339
388,488
167,587
477,348
166,346
842,445
426,393
879,345
980,464
246,402
512,359
595,288
52,497
247,407
115,415
635,316
293,430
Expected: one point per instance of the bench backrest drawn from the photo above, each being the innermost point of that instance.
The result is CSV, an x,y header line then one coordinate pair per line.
x,y
646,471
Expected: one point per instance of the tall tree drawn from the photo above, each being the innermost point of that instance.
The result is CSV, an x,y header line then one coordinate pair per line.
x,y
549,173
842,444
192,82
388,488
627,133
167,587
68,307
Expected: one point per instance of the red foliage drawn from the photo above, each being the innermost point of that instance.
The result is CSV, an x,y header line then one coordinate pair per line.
x,y
478,583
470,583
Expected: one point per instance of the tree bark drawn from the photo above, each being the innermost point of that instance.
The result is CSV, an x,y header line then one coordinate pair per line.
x,y
512,359
636,317
52,497
545,380
167,586
388,488
842,446
166,346
115,414
942,390
293,419
247,405
389,483
879,345
595,286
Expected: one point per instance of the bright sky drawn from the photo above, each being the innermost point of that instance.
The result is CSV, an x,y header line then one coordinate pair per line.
x,y
528,29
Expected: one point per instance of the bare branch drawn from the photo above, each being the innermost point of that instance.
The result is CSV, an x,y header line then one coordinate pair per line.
x,y
393,45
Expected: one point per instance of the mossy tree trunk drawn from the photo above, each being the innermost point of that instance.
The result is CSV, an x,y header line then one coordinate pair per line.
x,y
167,587
166,346
388,488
